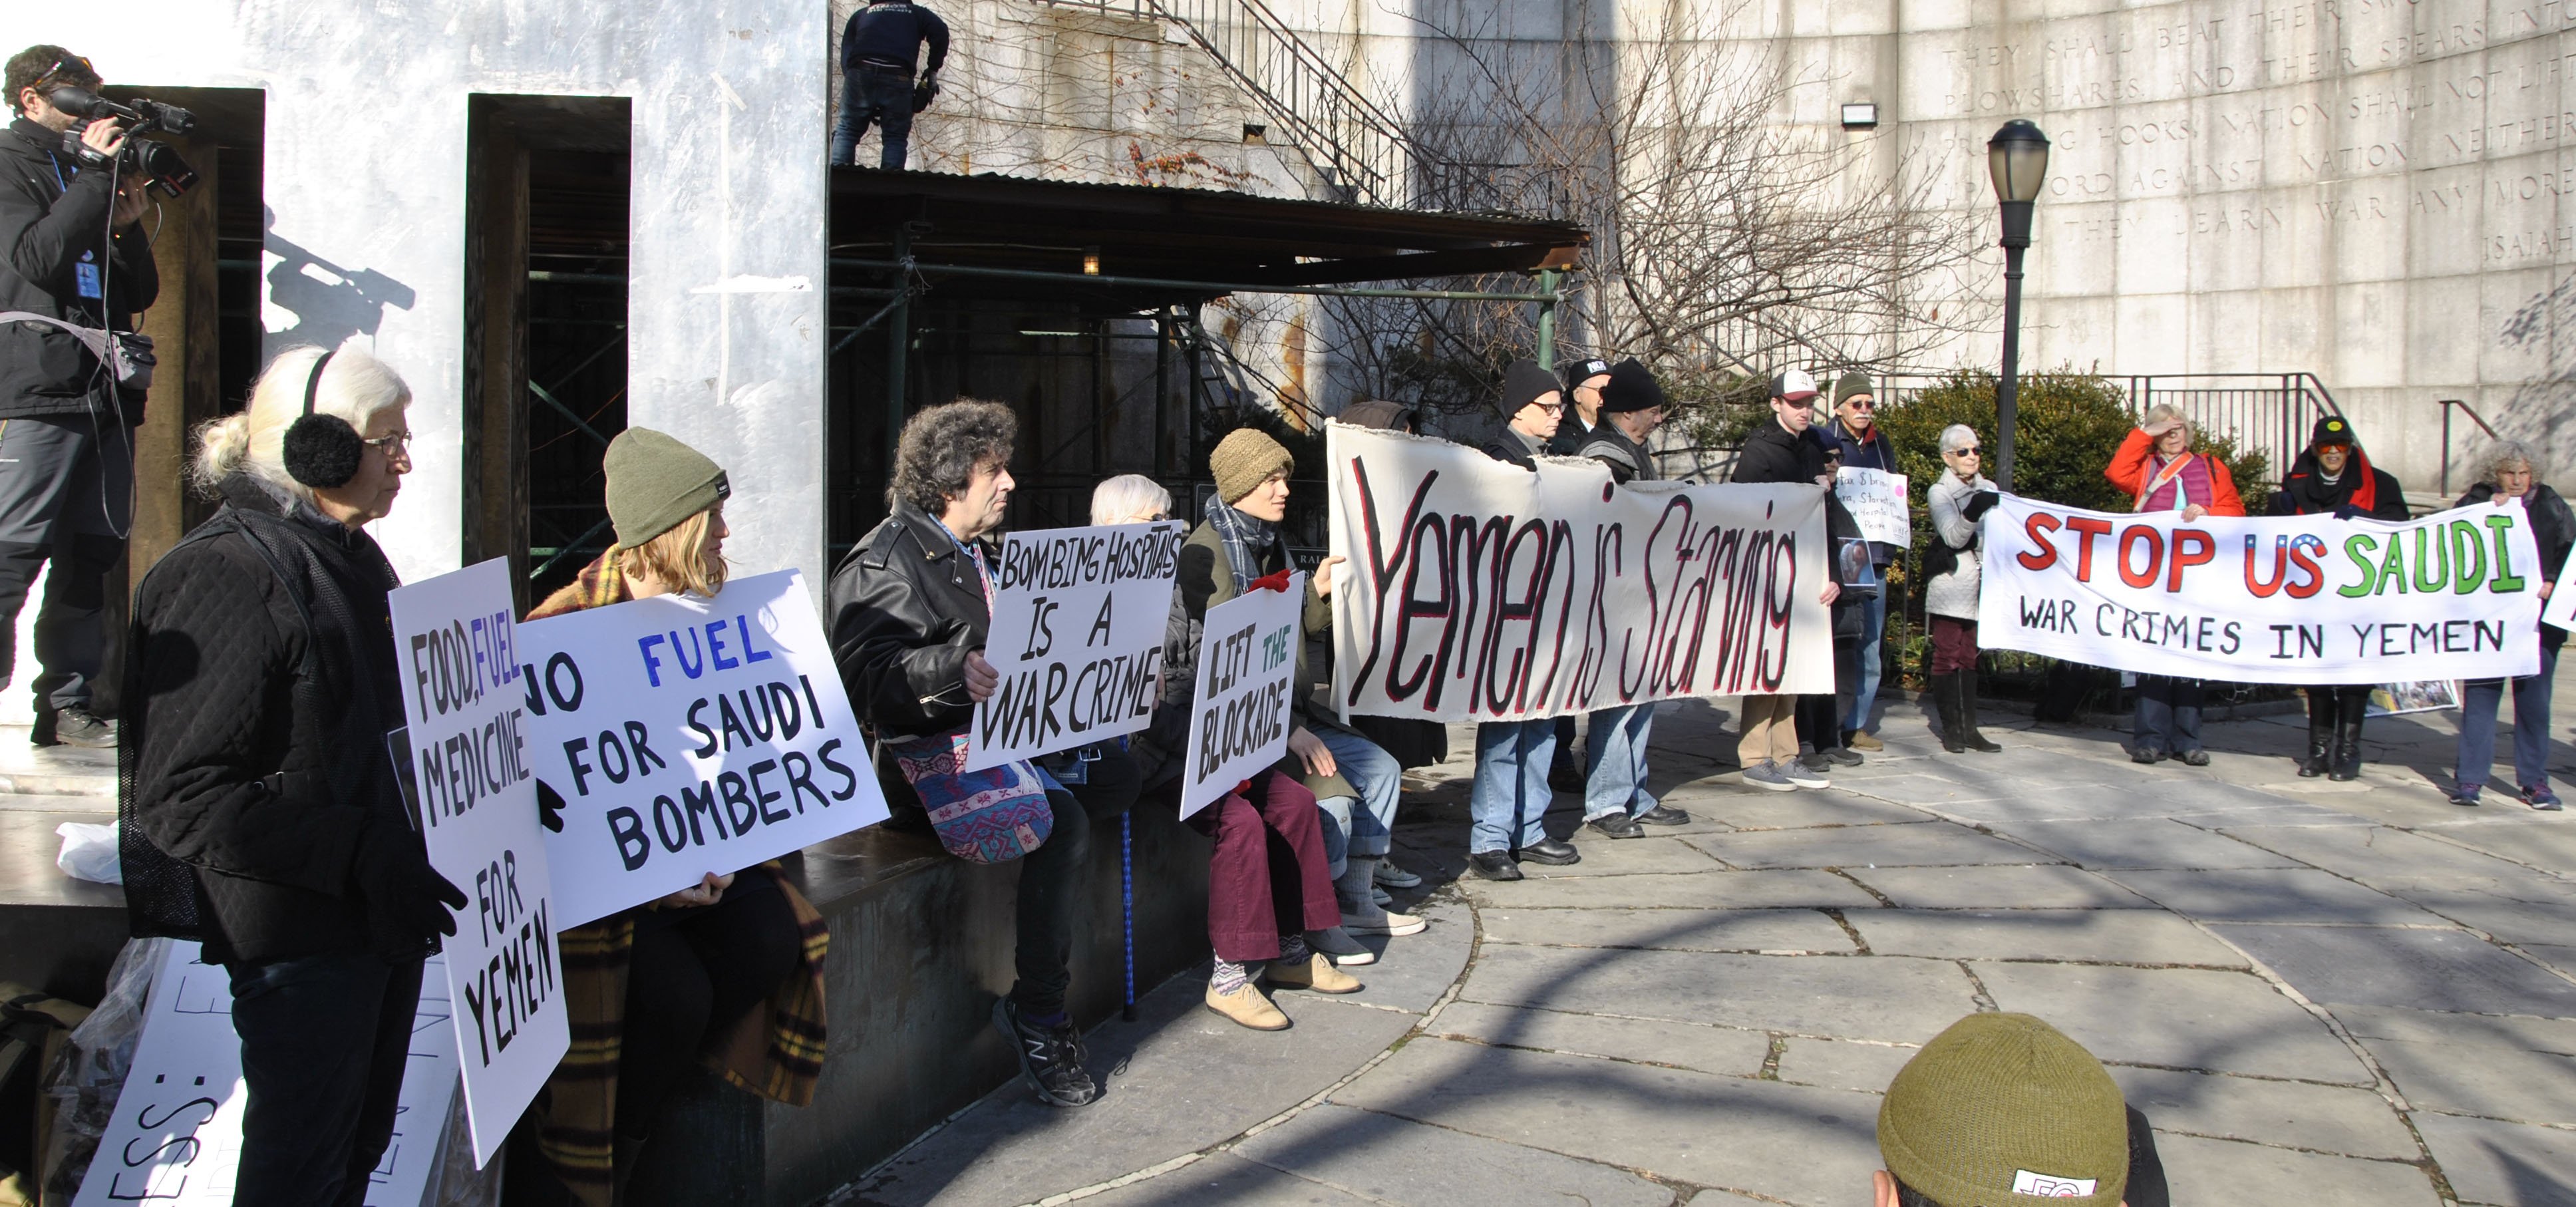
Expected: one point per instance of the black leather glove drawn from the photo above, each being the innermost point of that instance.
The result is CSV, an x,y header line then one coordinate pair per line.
x,y
549,807
926,91
1979,503
2346,512
394,875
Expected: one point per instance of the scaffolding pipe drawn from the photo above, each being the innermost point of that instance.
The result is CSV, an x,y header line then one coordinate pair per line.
x,y
1548,279
1206,287
898,344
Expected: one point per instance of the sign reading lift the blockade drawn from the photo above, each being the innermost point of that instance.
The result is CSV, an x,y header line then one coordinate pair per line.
x,y
1247,682
2287,599
1477,590
457,651
1077,637
686,736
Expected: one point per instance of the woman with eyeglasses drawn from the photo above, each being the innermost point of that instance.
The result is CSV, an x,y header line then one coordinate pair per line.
x,y
2158,468
1953,567
262,816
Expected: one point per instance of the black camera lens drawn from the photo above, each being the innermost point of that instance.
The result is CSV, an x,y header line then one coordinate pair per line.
x,y
161,164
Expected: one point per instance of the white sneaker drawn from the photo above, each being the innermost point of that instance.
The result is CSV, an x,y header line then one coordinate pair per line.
x,y
1382,922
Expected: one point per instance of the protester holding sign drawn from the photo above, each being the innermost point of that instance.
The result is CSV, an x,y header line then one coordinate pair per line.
x,y
2512,473
1267,881
1952,569
1781,451
731,967
2156,467
1356,783
263,816
1864,446
2334,477
909,608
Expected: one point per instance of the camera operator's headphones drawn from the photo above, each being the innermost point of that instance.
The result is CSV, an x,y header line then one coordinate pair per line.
x,y
322,450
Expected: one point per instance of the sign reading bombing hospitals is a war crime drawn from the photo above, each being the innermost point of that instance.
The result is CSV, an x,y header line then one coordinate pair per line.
x,y
457,653
1247,679
1077,637
1476,590
2289,599
687,735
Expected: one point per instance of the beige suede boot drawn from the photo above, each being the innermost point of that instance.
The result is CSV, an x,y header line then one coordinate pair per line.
x,y
1317,973
1246,1006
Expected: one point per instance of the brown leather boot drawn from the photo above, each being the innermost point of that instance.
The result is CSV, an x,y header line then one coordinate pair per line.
x,y
1317,973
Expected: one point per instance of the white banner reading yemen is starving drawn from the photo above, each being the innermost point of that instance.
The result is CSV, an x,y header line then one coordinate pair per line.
x,y
1476,590
458,654
1077,636
2289,599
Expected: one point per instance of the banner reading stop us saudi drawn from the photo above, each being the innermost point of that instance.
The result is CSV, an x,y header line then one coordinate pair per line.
x,y
2288,599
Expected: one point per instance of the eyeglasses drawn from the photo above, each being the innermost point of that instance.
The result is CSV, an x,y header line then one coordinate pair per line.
x,y
1552,408
1970,451
392,446
1861,402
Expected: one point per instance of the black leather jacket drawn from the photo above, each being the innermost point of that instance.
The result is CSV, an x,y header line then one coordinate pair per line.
x,y
906,608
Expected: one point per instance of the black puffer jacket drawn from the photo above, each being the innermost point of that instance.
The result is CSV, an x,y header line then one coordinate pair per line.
x,y
2553,525
2305,491
254,756
906,609
53,217
1771,454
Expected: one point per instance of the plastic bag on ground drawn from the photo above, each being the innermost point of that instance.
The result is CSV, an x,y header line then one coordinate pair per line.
x,y
89,853
90,1071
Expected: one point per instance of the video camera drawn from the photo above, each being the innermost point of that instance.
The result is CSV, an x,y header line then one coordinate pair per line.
x,y
157,162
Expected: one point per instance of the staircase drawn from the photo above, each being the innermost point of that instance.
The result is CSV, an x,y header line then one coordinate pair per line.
x,y
1363,153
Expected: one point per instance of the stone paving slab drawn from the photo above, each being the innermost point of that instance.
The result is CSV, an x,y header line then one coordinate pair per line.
x,y
2509,1164
1226,1179
2394,966
1749,930
2544,841
2517,913
2428,1026
2337,1119
2481,1079
1842,1064
2376,855
2054,886
1920,844
1724,1050
2201,1171
1755,809
1413,971
1706,890
2125,936
2177,1018
1391,1160
1862,997
1607,856
1794,1144
2274,895
2150,843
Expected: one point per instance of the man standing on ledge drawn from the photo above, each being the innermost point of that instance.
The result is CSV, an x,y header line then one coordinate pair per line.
x,y
878,49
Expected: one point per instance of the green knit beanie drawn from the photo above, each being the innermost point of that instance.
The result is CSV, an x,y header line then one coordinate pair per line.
x,y
1854,382
2003,1106
1244,459
655,482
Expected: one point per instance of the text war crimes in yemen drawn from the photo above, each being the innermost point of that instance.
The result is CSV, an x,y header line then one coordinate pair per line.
x,y
2295,599
1485,592
1076,637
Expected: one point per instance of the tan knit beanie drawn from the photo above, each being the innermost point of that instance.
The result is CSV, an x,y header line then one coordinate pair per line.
x,y
2001,1106
1244,459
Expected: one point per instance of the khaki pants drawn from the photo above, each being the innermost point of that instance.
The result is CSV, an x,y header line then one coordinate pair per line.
x,y
1770,727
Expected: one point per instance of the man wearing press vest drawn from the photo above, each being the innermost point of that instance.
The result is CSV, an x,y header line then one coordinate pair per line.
x,y
879,48
66,426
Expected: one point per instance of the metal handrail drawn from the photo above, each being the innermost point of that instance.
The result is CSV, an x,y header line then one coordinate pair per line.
x,y
2475,418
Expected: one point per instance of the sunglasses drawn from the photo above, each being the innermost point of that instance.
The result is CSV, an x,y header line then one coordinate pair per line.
x,y
1970,451
1861,404
72,63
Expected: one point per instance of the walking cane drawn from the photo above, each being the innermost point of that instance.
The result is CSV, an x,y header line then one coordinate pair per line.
x,y
1127,904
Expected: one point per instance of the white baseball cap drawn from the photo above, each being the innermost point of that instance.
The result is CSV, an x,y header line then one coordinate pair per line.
x,y
1796,385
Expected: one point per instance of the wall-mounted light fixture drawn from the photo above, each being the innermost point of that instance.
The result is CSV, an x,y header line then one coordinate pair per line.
x,y
1091,261
1860,115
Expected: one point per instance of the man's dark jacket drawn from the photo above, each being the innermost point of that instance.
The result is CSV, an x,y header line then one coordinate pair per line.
x,y
891,32
1571,433
2553,529
1510,447
906,608
254,756
47,223
2305,491
1771,454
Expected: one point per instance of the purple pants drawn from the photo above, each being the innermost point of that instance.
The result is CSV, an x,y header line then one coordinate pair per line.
x,y
1266,875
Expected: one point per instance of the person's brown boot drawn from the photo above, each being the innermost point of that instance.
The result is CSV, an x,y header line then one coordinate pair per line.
x,y
1317,973
1862,739
1246,1006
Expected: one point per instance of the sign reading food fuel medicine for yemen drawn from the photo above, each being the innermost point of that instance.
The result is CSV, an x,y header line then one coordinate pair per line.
x,y
1247,674
2288,599
685,736
1077,636
1478,591
458,655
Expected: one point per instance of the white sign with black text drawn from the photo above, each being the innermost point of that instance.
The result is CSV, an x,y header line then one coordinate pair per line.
x,y
1077,637
1246,682
1876,501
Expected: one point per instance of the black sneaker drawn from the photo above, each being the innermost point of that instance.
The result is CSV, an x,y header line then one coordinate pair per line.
x,y
2194,758
1550,850
72,727
1842,754
1664,815
1494,865
1617,825
2144,755
1050,1058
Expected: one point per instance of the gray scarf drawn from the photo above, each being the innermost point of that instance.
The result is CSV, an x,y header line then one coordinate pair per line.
x,y
1245,540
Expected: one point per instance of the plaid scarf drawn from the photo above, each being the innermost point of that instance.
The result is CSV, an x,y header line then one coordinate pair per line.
x,y
1246,539
776,1052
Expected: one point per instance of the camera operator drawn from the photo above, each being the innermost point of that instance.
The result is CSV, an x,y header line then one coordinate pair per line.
x,y
66,429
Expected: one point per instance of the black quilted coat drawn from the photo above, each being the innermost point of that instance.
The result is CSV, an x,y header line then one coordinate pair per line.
x,y
257,698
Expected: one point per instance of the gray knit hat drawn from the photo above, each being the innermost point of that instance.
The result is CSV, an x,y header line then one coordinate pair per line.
x,y
655,482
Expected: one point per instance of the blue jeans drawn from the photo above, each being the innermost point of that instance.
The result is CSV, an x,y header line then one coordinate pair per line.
x,y
1364,827
1614,762
2479,699
2168,715
1864,678
1512,795
881,95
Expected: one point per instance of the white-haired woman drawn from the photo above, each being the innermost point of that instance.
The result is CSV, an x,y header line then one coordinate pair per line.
x,y
1950,593
2512,472
2160,472
263,818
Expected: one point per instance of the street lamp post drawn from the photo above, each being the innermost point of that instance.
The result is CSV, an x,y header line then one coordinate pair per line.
x,y
2017,159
